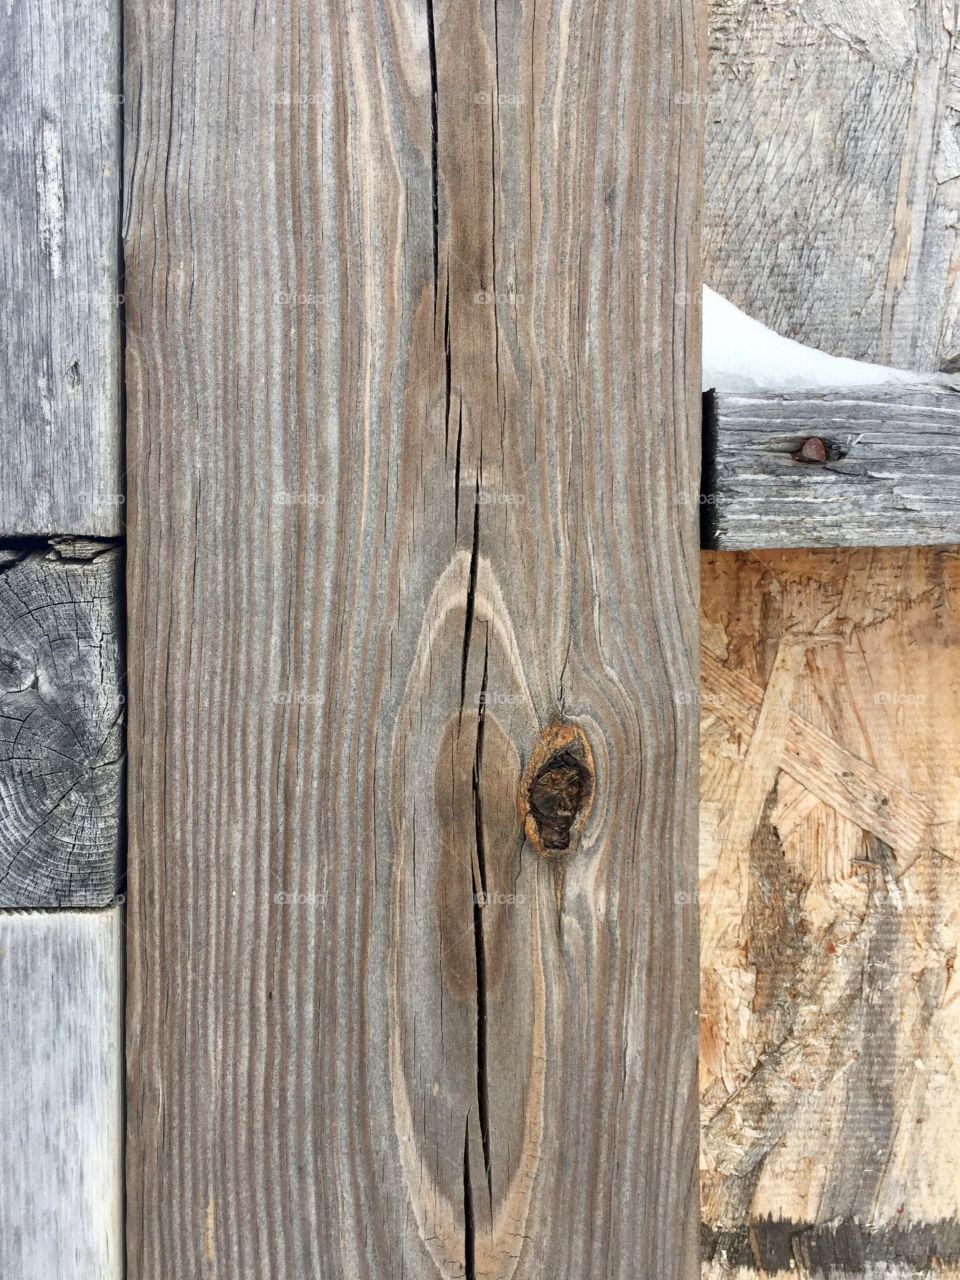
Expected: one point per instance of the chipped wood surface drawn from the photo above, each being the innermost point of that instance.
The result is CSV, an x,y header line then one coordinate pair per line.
x,y
891,475
830,1027
60,145
61,724
412,399
833,173
60,1104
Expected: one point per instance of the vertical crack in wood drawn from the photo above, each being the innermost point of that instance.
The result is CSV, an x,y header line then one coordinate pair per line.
x,y
471,591
456,482
469,1228
447,384
479,902
434,151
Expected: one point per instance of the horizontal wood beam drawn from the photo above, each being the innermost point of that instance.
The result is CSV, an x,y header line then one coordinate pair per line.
x,y
872,466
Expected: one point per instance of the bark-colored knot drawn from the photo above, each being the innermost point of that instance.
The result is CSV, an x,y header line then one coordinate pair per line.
x,y
557,789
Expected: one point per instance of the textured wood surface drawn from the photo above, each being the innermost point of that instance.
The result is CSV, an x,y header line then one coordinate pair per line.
x,y
412,401
830,1023
60,145
833,173
61,725
891,475
60,1105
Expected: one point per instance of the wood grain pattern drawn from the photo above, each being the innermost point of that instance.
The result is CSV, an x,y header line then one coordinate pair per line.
x,y
892,475
830,1040
60,1105
833,174
412,400
61,725
60,146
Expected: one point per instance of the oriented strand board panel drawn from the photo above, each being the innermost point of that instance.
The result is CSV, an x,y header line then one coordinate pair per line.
x,y
60,145
833,173
414,430
60,1105
829,888
61,725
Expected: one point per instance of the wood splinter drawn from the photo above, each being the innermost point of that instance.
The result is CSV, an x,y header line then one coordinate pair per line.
x,y
556,796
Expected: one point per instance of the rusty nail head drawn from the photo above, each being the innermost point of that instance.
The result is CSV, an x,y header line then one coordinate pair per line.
x,y
813,450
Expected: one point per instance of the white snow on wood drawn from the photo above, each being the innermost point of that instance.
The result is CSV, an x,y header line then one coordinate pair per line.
x,y
740,354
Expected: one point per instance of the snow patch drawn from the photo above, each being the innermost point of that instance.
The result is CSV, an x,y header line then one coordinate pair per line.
x,y
741,354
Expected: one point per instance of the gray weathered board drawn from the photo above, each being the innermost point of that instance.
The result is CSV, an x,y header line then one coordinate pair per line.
x,y
60,147
60,1100
61,725
833,173
892,475
417,398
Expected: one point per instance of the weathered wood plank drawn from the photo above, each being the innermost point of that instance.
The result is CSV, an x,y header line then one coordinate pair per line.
x,y
61,725
60,146
60,1105
407,428
891,475
830,1028
833,174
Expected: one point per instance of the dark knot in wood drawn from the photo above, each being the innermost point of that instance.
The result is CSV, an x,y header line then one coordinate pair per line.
x,y
557,790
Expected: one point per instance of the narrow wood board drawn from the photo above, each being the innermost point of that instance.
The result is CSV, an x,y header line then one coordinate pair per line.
x,y
830,1023
891,475
413,396
61,725
61,119
833,174
60,1105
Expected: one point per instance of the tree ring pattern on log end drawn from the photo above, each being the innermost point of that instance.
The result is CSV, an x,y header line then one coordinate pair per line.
x,y
61,729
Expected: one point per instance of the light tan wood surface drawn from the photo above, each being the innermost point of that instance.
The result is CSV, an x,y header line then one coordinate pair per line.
x,y
830,1016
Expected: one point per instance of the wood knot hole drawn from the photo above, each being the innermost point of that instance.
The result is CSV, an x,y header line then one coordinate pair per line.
x,y
557,790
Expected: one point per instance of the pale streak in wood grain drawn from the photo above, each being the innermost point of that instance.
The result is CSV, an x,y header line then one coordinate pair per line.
x,y
378,270
852,786
758,775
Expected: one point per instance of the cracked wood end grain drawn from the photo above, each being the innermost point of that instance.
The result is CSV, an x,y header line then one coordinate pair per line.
x,y
60,1105
60,144
61,726
408,430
